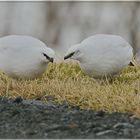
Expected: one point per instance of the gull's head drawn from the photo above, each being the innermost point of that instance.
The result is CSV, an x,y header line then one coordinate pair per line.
x,y
74,52
48,55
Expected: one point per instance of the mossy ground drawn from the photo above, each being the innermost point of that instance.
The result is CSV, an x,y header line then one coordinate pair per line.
x,y
68,83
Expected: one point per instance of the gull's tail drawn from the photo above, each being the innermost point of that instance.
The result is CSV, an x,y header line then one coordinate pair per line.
x,y
131,63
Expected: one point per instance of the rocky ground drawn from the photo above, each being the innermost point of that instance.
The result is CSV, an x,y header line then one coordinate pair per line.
x,y
34,119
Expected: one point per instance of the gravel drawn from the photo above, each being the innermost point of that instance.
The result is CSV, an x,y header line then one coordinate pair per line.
x,y
34,119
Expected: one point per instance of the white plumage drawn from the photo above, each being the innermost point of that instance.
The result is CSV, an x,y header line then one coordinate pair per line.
x,y
102,55
24,56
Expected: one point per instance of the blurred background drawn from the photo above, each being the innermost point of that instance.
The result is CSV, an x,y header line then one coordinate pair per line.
x,y
62,24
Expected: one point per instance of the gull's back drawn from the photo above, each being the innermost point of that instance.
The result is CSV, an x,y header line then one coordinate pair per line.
x,y
19,41
105,43
19,46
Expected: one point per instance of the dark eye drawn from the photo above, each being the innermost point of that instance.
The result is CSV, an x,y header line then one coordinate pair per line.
x,y
47,57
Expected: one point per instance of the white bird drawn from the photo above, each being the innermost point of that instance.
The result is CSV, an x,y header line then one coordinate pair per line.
x,y
102,55
24,57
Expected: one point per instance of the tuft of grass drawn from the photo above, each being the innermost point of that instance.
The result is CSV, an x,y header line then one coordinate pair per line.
x,y
68,83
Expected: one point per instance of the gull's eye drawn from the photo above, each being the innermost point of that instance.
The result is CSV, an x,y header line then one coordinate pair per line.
x,y
47,57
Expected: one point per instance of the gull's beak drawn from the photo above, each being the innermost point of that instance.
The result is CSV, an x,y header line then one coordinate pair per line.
x,y
69,55
51,60
66,57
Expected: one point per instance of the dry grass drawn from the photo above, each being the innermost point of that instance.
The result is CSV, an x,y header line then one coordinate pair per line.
x,y
67,83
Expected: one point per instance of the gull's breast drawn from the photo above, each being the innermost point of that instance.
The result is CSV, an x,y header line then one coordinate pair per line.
x,y
108,63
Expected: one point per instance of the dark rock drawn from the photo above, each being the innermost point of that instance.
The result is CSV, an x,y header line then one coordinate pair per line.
x,y
34,119
18,100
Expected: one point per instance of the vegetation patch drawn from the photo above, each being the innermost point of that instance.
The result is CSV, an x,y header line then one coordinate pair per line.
x,y
67,83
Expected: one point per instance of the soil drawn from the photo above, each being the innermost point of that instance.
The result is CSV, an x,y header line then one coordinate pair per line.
x,y
34,119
